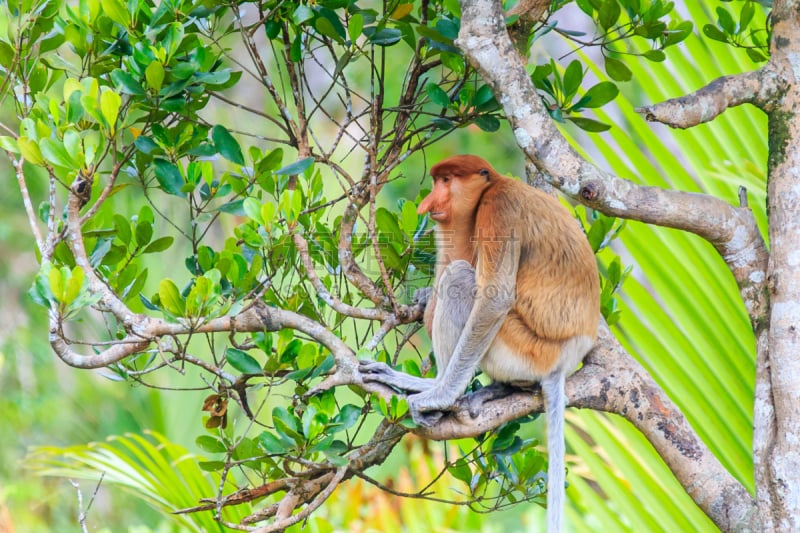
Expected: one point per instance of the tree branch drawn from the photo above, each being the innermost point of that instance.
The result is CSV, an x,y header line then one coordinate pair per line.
x,y
322,292
612,381
732,231
759,87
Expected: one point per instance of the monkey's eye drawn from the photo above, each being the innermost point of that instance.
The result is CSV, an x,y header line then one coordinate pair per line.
x,y
445,179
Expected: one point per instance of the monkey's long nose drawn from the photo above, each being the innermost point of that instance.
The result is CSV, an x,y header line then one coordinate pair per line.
x,y
425,205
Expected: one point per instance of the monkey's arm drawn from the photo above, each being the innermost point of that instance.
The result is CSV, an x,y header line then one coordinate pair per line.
x,y
481,328
494,295
383,373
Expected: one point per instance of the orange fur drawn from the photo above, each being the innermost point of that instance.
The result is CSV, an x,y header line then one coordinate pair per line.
x,y
478,212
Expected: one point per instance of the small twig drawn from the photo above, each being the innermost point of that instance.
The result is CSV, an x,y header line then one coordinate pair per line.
x,y
26,201
84,513
318,500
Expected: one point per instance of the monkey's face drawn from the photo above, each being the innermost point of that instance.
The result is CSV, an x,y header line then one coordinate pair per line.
x,y
453,198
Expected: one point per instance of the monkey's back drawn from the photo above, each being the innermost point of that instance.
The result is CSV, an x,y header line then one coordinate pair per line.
x,y
557,300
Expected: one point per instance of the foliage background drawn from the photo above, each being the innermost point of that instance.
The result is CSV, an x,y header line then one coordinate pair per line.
x,y
681,316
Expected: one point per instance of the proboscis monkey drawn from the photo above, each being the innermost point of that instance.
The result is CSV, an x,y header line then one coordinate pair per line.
x,y
516,294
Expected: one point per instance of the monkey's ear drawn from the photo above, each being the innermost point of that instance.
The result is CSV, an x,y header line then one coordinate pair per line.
x,y
485,173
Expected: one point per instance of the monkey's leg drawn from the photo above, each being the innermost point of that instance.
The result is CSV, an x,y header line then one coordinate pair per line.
x,y
456,296
455,299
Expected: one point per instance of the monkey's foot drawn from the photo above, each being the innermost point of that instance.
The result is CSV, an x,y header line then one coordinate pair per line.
x,y
428,407
426,419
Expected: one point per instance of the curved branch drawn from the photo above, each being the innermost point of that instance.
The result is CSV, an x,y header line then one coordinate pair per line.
x,y
322,292
330,483
143,330
612,381
351,270
732,231
759,87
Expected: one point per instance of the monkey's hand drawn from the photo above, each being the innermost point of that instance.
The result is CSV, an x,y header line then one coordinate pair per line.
x,y
422,296
382,373
429,406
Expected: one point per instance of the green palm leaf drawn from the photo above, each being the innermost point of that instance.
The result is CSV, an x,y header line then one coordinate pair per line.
x,y
682,316
165,475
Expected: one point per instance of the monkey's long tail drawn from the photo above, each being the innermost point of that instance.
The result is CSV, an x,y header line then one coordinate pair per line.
x,y
555,400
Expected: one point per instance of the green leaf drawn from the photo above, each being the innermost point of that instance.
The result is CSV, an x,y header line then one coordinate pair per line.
x,y
455,62
573,77
442,123
159,245
233,208
298,167
227,145
210,444
9,144
746,15
600,94
116,11
110,103
608,14
679,32
145,144
272,444
617,70
169,177
488,123
324,27
74,285
447,28
755,55
301,14
726,21
408,219
461,471
296,49
655,55
589,124
211,466
55,153
267,214
354,26
122,229
384,36
154,73
482,96
171,298
541,72
242,361
437,95
40,290
252,209
56,280
712,32
144,232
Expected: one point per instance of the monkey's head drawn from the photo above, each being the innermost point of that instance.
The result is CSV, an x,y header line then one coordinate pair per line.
x,y
458,183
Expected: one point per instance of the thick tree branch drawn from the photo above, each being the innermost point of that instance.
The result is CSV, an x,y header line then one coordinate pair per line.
x,y
778,456
612,381
759,87
731,230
